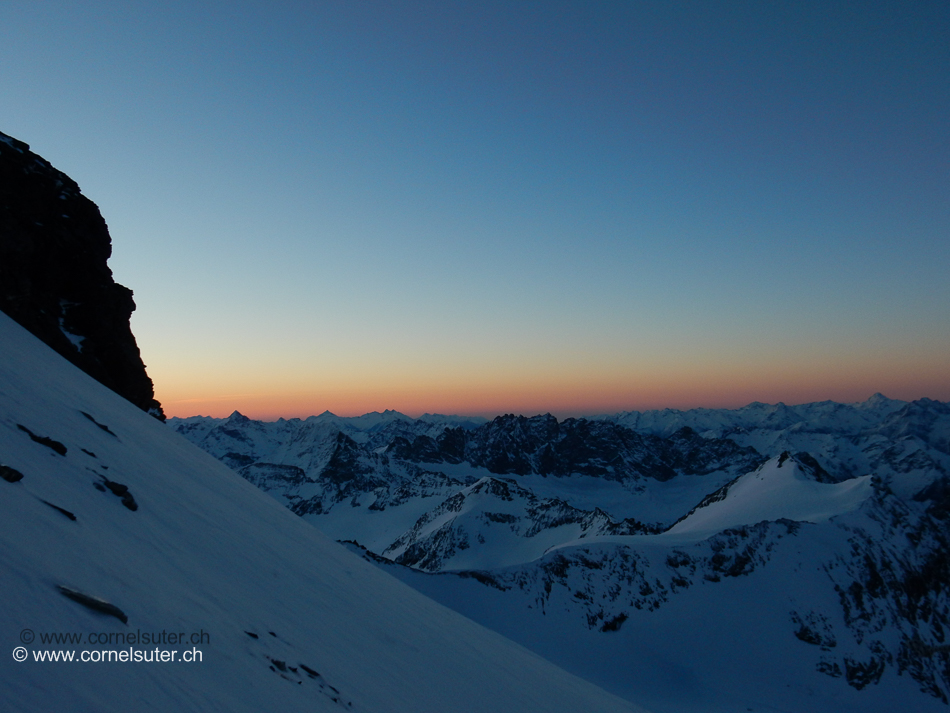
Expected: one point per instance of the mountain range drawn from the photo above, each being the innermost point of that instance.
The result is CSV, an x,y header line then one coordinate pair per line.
x,y
771,557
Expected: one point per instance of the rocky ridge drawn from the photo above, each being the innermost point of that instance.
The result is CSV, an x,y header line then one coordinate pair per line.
x,y
54,277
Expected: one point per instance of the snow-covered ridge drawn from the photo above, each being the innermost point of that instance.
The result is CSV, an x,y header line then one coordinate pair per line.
x,y
780,489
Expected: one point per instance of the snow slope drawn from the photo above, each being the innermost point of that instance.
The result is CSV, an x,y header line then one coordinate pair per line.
x,y
294,622
779,489
750,619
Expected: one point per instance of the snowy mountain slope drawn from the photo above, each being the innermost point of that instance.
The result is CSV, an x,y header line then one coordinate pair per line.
x,y
778,616
114,525
497,523
781,489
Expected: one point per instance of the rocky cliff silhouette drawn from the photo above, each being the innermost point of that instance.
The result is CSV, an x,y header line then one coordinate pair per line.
x,y
54,277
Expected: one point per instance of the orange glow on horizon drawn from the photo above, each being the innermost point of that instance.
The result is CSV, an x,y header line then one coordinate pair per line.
x,y
582,385
711,390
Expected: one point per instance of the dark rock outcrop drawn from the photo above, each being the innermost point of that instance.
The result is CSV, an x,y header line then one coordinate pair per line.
x,y
516,445
54,280
11,475
94,603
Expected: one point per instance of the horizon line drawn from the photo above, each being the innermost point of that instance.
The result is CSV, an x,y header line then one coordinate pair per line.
x,y
326,412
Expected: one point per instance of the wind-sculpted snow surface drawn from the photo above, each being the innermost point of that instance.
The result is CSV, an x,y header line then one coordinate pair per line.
x,y
765,558
251,608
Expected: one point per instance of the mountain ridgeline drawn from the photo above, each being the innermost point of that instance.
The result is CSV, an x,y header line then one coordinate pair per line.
x,y
517,445
809,540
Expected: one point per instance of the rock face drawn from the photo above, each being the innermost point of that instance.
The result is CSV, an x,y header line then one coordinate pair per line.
x,y
54,280
516,445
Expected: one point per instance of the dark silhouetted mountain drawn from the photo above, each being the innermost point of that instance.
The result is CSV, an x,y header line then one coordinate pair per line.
x,y
54,280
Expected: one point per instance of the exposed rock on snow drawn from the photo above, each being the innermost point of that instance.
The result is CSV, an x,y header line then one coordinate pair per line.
x,y
94,603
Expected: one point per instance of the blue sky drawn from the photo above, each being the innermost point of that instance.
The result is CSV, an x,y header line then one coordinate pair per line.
x,y
490,207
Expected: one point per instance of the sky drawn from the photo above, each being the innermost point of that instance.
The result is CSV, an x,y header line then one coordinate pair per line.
x,y
525,207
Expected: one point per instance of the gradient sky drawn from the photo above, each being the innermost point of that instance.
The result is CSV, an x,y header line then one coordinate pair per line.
x,y
479,207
